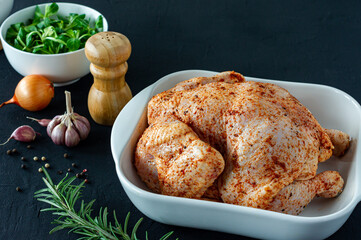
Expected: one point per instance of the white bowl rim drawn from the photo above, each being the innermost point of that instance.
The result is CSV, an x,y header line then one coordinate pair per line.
x,y
356,198
4,42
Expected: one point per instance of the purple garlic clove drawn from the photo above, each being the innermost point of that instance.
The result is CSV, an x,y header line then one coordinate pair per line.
x,y
72,137
83,119
23,133
52,124
58,134
82,129
43,122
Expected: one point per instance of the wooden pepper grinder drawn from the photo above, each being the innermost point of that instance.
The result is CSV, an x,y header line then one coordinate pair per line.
x,y
108,53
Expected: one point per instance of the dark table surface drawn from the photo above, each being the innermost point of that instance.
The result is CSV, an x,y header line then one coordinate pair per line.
x,y
301,41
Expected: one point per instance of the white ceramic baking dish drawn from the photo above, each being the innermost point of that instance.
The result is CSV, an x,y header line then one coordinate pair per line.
x,y
333,109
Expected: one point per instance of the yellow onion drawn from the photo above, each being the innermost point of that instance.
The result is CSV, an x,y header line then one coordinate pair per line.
x,y
33,93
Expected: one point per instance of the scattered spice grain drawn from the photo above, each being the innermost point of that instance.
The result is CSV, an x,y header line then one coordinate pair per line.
x,y
18,189
66,155
8,152
40,170
47,165
35,158
14,150
23,159
28,147
43,158
23,166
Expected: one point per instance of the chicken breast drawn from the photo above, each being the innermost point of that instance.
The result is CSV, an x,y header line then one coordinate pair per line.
x,y
271,138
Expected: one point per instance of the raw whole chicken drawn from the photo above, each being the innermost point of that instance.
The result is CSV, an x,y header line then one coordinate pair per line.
x,y
248,143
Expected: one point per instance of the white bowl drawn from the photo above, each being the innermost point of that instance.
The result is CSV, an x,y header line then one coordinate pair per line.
x,y
6,6
333,109
61,69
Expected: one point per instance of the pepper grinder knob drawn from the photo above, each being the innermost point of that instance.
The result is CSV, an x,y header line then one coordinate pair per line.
x,y
108,53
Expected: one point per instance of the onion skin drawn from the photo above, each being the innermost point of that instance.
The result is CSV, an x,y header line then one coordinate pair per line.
x,y
33,93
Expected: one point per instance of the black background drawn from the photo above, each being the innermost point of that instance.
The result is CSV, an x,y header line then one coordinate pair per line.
x,y
301,41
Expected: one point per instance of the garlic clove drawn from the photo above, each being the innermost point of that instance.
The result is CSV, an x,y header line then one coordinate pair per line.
x,y
82,129
83,119
52,124
58,134
43,122
23,133
72,137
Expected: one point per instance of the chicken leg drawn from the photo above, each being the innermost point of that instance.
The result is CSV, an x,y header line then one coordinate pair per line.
x,y
296,196
172,160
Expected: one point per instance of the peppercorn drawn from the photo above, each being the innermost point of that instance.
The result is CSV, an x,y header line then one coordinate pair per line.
x,y
18,189
86,180
69,169
28,147
81,174
40,170
85,170
47,165
73,165
43,158
14,150
23,158
8,152
35,158
66,155
77,175
60,172
23,166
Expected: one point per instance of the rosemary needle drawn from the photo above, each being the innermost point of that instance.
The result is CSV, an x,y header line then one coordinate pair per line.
x,y
62,199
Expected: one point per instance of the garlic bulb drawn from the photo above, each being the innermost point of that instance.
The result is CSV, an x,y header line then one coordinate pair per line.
x,y
70,128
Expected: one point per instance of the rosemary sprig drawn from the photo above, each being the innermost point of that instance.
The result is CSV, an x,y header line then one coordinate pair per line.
x,y
62,199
